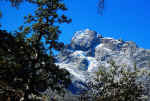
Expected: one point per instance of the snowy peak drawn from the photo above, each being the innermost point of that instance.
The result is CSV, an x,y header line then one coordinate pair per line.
x,y
88,51
84,40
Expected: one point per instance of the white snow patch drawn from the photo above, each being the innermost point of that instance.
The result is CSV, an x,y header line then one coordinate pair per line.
x,y
78,53
108,38
93,64
77,74
102,46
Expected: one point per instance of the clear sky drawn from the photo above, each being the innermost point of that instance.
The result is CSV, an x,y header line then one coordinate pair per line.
x,y
125,19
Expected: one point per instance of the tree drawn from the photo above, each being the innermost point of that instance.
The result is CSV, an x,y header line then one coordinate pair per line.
x,y
27,63
16,3
117,83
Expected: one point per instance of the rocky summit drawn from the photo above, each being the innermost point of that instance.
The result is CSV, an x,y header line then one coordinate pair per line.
x,y
89,50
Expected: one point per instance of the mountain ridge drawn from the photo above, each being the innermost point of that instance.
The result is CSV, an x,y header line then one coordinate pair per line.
x,y
89,50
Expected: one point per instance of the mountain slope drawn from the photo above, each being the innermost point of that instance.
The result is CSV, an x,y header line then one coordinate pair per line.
x,y
88,50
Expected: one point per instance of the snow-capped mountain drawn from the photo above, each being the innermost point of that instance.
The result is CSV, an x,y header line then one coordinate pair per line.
x,y
88,50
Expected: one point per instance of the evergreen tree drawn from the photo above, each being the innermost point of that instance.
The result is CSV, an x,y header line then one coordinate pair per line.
x,y
26,58
118,83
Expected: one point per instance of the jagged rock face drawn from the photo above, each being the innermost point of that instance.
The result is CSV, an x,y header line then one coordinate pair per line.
x,y
88,50
84,40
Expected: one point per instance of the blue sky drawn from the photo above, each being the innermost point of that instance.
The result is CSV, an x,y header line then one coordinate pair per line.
x,y
125,19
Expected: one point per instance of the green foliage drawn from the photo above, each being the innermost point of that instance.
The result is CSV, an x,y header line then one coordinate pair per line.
x,y
26,58
118,83
21,69
44,23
